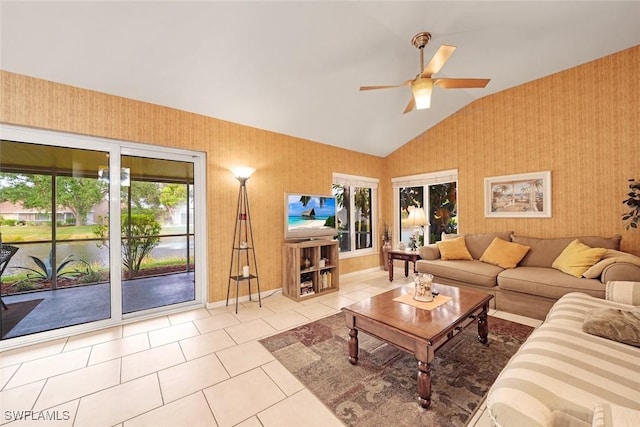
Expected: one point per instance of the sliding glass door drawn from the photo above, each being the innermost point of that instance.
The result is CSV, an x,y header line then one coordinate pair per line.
x,y
94,231
55,272
157,233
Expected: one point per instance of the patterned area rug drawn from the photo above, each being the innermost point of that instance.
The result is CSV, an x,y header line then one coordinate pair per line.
x,y
381,389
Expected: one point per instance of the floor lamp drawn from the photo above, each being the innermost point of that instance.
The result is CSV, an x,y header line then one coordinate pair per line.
x,y
243,256
416,219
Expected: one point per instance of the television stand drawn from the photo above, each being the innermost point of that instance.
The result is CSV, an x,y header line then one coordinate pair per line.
x,y
310,268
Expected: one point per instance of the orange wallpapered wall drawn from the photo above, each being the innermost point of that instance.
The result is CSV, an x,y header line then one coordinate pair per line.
x,y
283,163
582,124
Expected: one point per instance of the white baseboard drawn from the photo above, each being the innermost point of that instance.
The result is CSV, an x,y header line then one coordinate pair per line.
x,y
368,270
232,301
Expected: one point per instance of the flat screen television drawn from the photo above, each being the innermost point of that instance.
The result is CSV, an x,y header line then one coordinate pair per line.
x,y
309,216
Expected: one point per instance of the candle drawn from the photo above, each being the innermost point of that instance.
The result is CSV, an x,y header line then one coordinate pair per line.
x,y
245,271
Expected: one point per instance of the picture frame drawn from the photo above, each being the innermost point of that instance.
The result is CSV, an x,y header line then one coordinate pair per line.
x,y
526,195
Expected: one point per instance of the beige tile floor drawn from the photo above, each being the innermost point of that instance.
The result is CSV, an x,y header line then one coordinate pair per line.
x,y
195,368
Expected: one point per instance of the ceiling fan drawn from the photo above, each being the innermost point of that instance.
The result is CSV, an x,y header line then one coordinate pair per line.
x,y
422,84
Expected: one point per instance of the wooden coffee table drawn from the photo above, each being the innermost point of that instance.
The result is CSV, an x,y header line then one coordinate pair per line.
x,y
418,331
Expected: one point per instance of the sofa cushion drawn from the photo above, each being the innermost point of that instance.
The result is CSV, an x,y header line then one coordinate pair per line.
x,y
577,257
614,324
612,256
547,282
504,254
472,272
543,252
479,242
454,249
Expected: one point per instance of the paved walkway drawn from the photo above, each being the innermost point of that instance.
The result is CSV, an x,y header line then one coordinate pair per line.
x,y
89,303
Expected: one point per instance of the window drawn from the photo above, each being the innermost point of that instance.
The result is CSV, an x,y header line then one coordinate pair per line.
x,y
435,192
357,206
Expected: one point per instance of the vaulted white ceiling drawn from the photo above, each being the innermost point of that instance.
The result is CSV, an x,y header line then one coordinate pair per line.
x,y
295,67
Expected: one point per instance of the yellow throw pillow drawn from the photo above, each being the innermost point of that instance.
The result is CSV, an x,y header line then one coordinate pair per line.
x,y
504,254
454,249
577,258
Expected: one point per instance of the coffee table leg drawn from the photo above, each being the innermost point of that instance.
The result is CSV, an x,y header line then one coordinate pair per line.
x,y
390,269
406,269
483,326
353,346
424,384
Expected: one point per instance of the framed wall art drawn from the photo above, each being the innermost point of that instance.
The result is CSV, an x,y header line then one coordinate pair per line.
x,y
526,195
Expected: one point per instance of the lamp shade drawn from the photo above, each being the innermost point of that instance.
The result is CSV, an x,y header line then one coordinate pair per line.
x,y
242,171
417,217
421,89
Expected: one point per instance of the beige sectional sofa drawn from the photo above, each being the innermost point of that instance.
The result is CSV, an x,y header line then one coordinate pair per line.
x,y
534,285
580,368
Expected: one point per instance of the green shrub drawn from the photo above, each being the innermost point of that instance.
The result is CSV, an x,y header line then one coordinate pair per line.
x,y
138,238
47,271
89,273
25,286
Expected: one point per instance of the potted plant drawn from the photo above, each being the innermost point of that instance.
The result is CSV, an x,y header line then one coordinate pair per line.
x,y
386,245
386,235
633,202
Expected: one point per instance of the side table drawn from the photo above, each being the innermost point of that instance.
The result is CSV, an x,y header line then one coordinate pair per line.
x,y
405,256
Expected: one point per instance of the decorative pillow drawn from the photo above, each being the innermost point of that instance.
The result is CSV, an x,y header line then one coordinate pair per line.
x,y
504,254
454,249
577,257
614,324
624,292
611,415
612,256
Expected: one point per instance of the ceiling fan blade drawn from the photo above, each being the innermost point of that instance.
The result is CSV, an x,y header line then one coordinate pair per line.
x,y
438,60
461,83
410,106
405,83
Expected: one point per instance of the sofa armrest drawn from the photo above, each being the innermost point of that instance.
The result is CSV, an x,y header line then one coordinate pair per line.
x,y
621,271
430,252
623,292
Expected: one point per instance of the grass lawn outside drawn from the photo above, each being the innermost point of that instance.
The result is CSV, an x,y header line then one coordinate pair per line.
x,y
32,233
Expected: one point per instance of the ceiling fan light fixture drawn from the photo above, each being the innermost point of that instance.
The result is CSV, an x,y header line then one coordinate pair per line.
x,y
421,89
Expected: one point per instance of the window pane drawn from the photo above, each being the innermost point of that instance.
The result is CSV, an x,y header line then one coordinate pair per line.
x,y
344,214
25,211
443,210
157,249
409,197
362,205
58,274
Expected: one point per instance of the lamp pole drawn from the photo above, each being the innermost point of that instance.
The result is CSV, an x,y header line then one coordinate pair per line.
x,y
243,241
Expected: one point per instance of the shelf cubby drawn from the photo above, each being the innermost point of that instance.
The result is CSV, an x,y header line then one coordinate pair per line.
x,y
310,268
